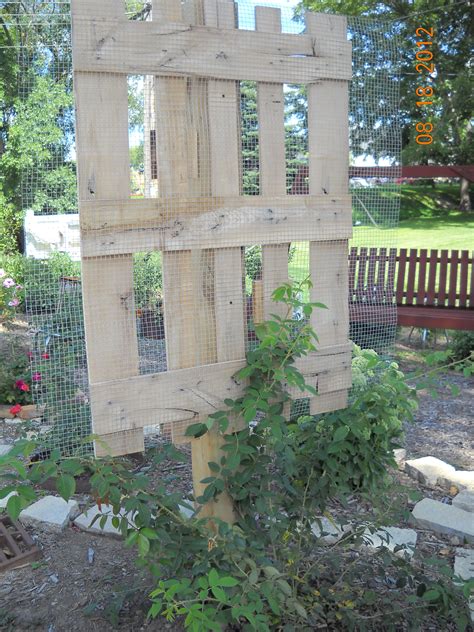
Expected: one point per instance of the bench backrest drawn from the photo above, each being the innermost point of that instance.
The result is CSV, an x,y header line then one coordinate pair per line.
x,y
411,277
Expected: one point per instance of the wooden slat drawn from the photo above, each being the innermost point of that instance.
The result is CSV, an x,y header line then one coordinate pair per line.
x,y
431,294
272,167
185,395
224,154
352,274
361,274
453,277
421,278
328,402
328,135
463,278
443,273
400,287
392,265
471,291
412,264
380,285
371,274
104,172
157,48
215,225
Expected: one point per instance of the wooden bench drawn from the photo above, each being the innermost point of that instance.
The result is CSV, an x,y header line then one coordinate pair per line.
x,y
433,290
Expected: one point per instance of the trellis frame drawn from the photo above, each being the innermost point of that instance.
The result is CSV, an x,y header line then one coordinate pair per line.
x,y
107,47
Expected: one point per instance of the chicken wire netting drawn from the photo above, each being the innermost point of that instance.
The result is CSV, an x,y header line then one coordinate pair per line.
x,y
55,282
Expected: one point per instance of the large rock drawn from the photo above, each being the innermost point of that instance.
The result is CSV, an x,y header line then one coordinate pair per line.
x,y
428,470
464,564
3,501
50,513
85,519
400,455
464,568
443,518
462,479
464,500
391,538
327,531
5,412
31,411
5,448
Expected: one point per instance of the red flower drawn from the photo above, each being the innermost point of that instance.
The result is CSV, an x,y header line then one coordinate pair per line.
x,y
15,409
36,377
29,354
45,356
23,386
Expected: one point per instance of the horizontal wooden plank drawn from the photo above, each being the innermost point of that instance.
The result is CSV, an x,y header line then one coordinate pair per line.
x,y
184,395
155,48
110,228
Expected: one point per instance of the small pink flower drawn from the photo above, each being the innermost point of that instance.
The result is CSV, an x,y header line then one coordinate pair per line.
x,y
8,282
19,287
45,356
29,354
15,409
36,377
2,273
14,303
22,385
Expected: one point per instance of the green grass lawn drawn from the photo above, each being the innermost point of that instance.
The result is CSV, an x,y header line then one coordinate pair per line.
x,y
452,231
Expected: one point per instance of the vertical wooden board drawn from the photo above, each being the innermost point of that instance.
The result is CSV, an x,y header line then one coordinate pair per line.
x,y
104,173
443,272
412,265
421,281
402,262
463,278
272,164
453,278
328,169
330,287
430,297
224,156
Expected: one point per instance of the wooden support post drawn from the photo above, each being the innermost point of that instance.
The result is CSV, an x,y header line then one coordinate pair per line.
x,y
104,173
328,133
272,162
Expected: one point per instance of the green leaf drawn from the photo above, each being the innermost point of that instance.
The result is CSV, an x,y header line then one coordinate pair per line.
x,y
431,595
341,433
219,594
228,582
213,576
14,507
196,430
143,544
66,486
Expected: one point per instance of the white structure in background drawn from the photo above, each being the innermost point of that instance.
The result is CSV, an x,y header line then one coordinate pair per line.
x,y
45,234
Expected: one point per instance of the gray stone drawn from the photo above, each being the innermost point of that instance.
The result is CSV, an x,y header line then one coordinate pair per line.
x,y
3,501
400,455
5,448
84,521
464,564
428,470
464,568
328,532
443,518
392,537
14,422
464,500
50,513
463,480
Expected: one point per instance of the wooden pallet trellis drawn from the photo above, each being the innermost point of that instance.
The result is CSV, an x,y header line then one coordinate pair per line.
x,y
200,221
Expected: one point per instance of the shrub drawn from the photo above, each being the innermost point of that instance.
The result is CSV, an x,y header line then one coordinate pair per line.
x,y
462,345
268,571
15,374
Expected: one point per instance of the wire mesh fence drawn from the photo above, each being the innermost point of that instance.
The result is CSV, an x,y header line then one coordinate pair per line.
x,y
55,280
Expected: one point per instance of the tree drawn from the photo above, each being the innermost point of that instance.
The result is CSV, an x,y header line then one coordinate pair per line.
x,y
452,111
